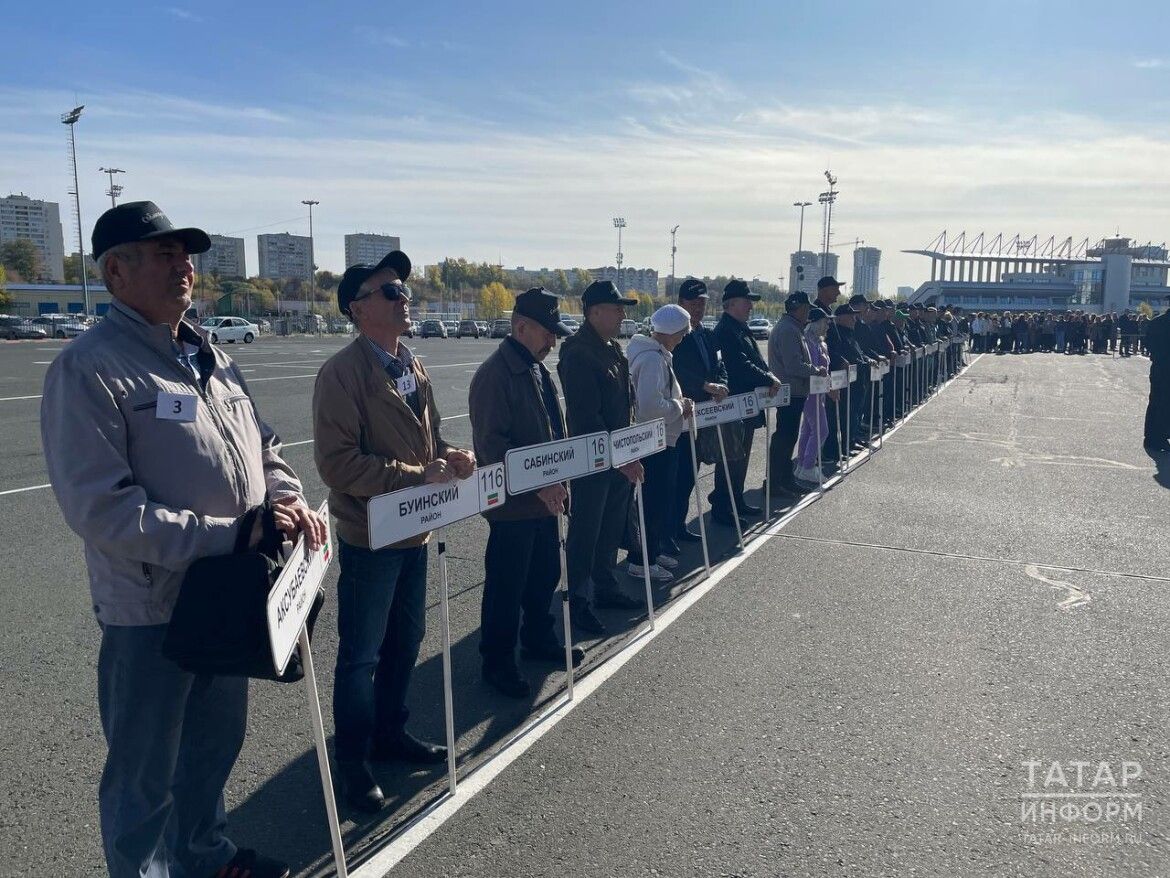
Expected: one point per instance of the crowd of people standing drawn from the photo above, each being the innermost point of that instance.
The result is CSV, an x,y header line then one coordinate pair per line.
x,y
1070,332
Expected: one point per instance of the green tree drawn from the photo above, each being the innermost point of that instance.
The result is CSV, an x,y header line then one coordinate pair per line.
x,y
582,278
1144,308
327,280
5,299
73,272
494,300
21,257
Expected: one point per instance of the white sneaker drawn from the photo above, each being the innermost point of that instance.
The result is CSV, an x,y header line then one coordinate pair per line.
x,y
666,561
658,574
809,475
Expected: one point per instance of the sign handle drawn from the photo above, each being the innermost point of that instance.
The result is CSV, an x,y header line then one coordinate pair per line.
x,y
448,705
767,465
698,498
646,560
840,450
322,753
848,451
565,605
820,441
881,412
730,489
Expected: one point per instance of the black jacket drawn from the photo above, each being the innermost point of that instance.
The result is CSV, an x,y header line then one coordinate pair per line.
x,y
595,376
507,411
693,370
1158,340
843,347
746,368
872,340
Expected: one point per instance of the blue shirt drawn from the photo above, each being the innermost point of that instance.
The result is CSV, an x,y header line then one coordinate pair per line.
x,y
397,365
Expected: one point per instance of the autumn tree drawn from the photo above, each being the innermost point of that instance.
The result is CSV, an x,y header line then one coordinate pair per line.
x,y
21,257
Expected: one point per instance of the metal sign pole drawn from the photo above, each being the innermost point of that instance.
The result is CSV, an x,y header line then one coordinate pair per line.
x,y
767,465
848,426
817,433
698,499
730,489
448,701
840,450
872,400
565,602
646,561
322,754
881,412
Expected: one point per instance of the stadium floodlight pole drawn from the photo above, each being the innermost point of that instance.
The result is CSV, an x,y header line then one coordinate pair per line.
x,y
70,119
619,223
831,196
673,250
115,190
312,265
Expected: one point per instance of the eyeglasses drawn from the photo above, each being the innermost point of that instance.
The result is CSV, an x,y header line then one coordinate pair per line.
x,y
393,291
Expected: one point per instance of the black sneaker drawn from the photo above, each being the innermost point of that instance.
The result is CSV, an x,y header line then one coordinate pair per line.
x,y
688,536
249,864
505,679
616,600
402,746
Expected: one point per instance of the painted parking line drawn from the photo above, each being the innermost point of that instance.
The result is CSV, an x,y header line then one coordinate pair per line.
x,y
15,398
23,490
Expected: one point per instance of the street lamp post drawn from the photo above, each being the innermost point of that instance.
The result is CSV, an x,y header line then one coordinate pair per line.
x,y
800,239
115,190
673,250
70,119
619,223
312,260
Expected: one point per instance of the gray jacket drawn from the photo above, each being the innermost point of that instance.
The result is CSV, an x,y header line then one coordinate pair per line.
x,y
788,355
147,495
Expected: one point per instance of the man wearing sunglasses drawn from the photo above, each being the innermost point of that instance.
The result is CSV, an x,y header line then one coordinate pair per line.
x,y
376,430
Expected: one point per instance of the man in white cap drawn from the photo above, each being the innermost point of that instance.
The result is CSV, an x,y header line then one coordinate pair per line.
x,y
657,395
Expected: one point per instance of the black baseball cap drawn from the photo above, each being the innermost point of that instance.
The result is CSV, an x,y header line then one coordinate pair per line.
x,y
398,261
817,313
858,299
541,306
142,221
605,292
692,288
795,300
877,305
844,310
829,281
738,289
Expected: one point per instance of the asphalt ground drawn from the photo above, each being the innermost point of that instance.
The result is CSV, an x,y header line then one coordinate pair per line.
x,y
856,697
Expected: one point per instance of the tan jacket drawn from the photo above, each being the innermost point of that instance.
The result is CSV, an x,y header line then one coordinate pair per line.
x,y
367,440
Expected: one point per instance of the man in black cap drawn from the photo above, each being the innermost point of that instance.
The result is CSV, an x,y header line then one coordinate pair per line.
x,y
155,451
828,291
844,351
595,376
791,361
698,366
513,403
746,370
376,429
1157,424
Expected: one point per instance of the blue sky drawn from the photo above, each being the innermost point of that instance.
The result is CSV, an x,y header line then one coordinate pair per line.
x,y
516,131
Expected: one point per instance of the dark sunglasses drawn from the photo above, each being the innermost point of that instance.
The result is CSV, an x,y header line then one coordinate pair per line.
x,y
393,291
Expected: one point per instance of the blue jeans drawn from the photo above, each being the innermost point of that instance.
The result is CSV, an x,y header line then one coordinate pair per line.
x,y
173,738
381,619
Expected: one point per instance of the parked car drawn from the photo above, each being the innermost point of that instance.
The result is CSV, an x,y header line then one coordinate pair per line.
x,y
501,328
61,325
230,330
19,327
760,327
484,329
571,323
628,328
708,322
433,329
467,327
264,325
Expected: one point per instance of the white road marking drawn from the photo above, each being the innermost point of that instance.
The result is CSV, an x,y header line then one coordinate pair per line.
x,y
1074,596
15,398
22,490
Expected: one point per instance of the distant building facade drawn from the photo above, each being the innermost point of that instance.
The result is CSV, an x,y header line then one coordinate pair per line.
x,y
39,222
866,270
644,280
29,300
366,248
225,259
805,268
284,256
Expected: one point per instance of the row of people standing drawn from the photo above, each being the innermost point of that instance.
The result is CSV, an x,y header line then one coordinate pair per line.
x,y
1070,332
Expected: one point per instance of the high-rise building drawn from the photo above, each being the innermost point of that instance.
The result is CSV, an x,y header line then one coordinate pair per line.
x,y
39,222
284,256
805,268
905,292
644,280
866,265
225,259
367,248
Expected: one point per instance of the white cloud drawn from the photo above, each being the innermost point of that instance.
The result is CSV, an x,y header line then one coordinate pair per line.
x,y
1149,63
379,36
183,14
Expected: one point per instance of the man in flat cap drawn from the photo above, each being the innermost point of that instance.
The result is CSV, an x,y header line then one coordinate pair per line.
x,y
746,370
595,376
828,292
376,429
513,403
698,365
155,452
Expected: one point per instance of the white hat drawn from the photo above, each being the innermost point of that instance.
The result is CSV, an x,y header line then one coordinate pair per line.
x,y
670,319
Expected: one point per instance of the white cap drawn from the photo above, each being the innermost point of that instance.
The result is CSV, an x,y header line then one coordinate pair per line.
x,y
670,319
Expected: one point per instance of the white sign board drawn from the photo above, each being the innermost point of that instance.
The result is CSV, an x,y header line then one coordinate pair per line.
x,y
749,403
403,514
712,412
535,466
852,372
904,359
839,379
875,372
636,442
782,397
291,597
818,384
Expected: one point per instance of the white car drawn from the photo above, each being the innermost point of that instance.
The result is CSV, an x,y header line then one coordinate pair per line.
x,y
230,329
628,328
